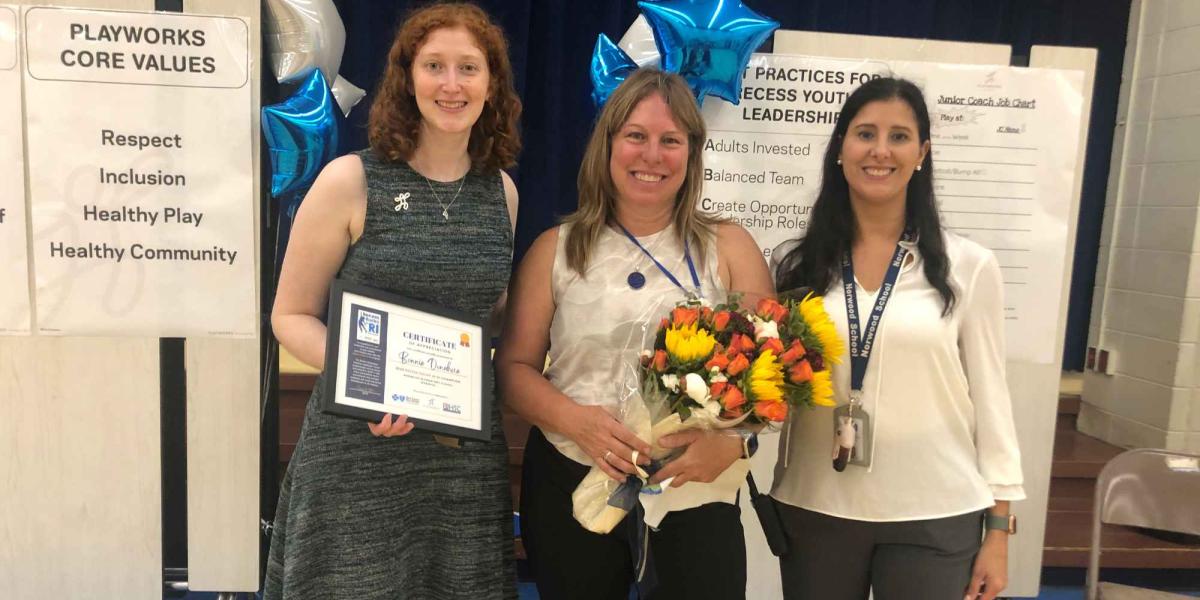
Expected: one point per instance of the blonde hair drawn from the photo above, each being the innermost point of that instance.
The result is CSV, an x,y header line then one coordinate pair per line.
x,y
598,194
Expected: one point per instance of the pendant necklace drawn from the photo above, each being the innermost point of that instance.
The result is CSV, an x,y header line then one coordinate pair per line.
x,y
445,207
636,280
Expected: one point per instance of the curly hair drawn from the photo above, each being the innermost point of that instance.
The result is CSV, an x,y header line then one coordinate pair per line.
x,y
598,194
394,125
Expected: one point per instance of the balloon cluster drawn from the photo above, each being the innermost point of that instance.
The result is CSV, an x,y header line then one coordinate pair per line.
x,y
708,42
305,39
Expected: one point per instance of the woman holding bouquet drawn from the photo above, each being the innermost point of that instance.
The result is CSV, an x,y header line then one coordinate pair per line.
x,y
925,448
378,510
635,240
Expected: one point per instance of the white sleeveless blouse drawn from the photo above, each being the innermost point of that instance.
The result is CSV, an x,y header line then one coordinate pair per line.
x,y
598,328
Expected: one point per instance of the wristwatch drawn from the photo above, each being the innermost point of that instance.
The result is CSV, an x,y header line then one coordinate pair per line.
x,y
749,443
1001,522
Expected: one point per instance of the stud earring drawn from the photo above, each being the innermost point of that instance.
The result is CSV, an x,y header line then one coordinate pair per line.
x,y
839,161
918,167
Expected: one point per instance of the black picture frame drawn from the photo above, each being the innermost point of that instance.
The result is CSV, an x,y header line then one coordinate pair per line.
x,y
332,400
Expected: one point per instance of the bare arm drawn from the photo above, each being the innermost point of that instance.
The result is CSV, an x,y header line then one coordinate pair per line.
x,y
496,321
329,220
522,355
741,265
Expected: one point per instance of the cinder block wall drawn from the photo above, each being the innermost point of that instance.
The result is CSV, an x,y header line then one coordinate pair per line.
x,y
1146,306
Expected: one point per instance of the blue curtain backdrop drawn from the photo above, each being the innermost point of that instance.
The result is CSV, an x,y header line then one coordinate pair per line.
x,y
552,40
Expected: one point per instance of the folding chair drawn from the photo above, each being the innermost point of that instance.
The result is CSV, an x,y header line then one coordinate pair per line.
x,y
1153,489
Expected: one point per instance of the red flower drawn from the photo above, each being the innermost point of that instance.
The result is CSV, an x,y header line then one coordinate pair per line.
x,y
663,324
774,345
718,360
771,411
793,354
684,316
660,360
733,398
737,365
721,320
800,372
717,388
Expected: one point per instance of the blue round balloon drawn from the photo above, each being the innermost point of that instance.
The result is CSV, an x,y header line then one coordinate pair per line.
x,y
301,134
708,42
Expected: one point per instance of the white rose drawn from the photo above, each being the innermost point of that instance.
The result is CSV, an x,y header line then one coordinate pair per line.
x,y
670,381
695,387
765,329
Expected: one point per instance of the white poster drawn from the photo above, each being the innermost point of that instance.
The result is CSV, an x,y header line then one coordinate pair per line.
x,y
14,259
141,187
1004,145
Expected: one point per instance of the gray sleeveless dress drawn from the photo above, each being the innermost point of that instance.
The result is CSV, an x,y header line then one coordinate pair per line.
x,y
406,517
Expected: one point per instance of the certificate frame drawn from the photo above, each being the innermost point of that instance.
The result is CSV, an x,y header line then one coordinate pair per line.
x,y
385,353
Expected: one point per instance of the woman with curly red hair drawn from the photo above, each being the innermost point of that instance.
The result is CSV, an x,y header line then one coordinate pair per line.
x,y
382,511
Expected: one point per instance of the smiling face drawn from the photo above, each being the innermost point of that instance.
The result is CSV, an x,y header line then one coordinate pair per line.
x,y
881,150
649,156
450,80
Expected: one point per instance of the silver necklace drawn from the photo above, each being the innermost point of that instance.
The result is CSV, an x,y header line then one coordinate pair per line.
x,y
445,207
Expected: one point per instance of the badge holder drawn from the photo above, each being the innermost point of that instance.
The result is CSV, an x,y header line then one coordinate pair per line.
x,y
851,435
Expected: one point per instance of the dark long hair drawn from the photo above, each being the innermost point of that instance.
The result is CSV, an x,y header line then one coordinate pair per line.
x,y
816,261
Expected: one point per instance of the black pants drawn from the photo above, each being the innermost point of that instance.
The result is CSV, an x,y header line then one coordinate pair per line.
x,y
698,554
841,559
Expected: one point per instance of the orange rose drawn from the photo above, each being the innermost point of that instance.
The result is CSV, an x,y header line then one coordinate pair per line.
x,y
737,365
706,313
769,309
721,320
771,411
746,344
684,316
793,354
718,360
717,388
660,360
800,372
663,324
735,345
733,398
774,345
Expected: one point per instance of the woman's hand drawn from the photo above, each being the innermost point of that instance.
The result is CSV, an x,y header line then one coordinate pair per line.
x,y
708,454
989,576
389,427
610,444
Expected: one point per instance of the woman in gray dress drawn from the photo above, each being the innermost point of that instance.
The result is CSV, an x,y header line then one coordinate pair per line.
x,y
378,510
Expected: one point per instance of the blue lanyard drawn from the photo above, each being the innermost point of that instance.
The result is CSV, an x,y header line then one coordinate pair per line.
x,y
860,348
686,255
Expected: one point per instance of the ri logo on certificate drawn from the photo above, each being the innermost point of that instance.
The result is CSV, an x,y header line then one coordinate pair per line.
x,y
369,327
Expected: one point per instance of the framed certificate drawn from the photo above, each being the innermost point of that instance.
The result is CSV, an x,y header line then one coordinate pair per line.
x,y
389,354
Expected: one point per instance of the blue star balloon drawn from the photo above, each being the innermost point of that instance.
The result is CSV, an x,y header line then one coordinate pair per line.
x,y
301,134
610,67
708,42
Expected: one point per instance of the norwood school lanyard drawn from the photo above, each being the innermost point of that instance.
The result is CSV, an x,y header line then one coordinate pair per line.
x,y
636,280
851,422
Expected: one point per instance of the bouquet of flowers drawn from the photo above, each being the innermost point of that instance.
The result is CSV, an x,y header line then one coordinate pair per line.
x,y
716,368
727,366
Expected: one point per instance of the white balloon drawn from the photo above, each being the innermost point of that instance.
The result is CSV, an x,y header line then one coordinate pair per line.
x,y
347,94
638,43
302,35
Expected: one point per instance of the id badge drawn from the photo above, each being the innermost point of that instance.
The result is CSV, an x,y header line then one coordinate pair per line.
x,y
851,435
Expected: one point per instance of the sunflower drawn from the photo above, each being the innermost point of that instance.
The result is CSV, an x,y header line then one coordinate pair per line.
x,y
822,389
687,343
766,378
812,308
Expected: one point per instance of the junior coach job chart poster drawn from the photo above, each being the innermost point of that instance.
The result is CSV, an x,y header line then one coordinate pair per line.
x,y
14,260
1004,150
141,187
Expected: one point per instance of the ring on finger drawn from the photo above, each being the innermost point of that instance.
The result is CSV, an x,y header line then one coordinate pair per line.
x,y
607,453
